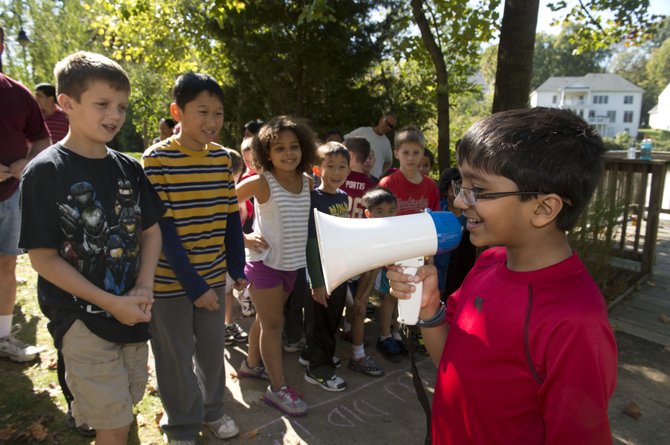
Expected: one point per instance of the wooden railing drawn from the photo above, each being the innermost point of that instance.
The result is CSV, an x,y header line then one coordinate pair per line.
x,y
635,188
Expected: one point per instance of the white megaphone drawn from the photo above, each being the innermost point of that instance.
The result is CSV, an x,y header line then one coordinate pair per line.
x,y
349,247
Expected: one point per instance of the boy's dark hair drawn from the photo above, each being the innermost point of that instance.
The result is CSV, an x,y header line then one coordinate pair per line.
x,y
189,85
359,147
431,157
168,121
269,132
236,161
331,148
541,149
253,126
376,196
333,132
409,134
447,175
75,73
47,89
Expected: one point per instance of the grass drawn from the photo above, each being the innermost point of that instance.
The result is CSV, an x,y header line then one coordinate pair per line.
x,y
32,408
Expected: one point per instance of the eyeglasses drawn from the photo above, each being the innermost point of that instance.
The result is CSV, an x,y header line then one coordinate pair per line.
x,y
390,125
470,196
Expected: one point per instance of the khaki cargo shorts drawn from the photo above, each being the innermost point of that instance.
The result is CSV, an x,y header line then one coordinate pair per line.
x,y
106,379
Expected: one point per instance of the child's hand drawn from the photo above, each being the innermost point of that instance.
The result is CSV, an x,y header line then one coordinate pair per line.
x,y
320,296
402,287
255,242
5,172
128,309
240,284
143,291
209,300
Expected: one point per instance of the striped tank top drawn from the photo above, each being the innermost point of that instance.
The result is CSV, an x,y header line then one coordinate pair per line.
x,y
282,221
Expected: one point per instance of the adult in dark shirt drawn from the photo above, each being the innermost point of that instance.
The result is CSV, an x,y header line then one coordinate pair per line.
x,y
55,118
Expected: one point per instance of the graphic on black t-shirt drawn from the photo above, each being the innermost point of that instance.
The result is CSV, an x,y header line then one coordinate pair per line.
x,y
103,248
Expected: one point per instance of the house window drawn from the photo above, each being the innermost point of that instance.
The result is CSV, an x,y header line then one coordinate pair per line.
x,y
592,114
628,99
628,116
600,99
611,115
554,99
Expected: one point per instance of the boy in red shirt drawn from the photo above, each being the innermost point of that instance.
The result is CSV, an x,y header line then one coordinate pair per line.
x,y
530,356
414,191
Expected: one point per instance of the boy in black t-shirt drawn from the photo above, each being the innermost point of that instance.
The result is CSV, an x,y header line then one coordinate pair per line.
x,y
89,219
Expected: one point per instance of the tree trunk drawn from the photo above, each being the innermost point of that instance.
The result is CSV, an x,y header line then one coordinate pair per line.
x,y
444,160
515,55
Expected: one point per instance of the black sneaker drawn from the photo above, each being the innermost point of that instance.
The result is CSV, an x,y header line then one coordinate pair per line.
x,y
334,383
390,348
83,429
236,333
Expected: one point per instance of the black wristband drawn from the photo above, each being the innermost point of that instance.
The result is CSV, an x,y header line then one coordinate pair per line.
x,y
435,320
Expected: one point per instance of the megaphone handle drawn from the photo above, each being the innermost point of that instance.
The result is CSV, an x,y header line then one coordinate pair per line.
x,y
408,310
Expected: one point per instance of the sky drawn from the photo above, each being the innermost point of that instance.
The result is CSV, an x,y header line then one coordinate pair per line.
x,y
545,15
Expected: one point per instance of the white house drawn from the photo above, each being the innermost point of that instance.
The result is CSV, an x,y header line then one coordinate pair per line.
x,y
607,101
659,116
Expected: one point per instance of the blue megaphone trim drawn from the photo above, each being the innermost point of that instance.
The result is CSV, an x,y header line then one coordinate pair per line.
x,y
448,229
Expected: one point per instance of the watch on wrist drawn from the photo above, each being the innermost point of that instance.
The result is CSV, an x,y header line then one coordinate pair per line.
x,y
435,320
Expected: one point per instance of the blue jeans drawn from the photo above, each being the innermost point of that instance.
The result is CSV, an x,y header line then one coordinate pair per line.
x,y
10,226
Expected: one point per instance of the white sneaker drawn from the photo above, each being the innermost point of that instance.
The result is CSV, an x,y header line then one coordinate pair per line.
x,y
246,305
224,428
16,350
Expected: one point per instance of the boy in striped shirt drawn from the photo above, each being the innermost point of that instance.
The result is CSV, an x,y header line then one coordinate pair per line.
x,y
202,239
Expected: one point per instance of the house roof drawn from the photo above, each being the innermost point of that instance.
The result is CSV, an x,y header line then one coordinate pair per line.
x,y
592,81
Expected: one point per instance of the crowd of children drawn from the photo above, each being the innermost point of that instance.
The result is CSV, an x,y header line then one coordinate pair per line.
x,y
196,227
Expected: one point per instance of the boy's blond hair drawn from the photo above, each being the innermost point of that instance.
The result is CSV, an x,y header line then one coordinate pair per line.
x,y
75,73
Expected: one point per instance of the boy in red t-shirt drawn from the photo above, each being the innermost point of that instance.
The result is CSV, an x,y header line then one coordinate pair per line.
x,y
530,356
414,191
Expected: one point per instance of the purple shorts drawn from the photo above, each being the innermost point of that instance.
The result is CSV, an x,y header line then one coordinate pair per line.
x,y
265,277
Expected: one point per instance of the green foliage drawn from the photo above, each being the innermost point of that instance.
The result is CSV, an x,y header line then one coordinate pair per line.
x,y
602,23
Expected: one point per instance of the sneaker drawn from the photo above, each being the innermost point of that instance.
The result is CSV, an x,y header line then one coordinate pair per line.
x,y
287,400
334,383
16,350
229,338
366,365
295,347
236,332
224,428
257,372
83,429
337,362
246,305
390,349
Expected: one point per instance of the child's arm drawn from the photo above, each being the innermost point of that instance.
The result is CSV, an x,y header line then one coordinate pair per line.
x,y
197,289
580,377
127,309
402,288
151,250
256,186
316,279
235,250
